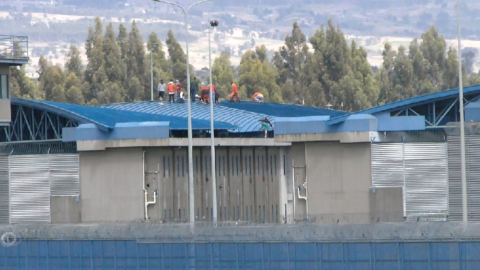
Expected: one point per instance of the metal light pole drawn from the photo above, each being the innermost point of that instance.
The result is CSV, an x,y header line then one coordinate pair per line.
x,y
191,195
154,47
462,125
212,130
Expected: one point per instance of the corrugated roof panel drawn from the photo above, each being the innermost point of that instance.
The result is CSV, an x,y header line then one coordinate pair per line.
x,y
108,117
282,110
418,100
246,121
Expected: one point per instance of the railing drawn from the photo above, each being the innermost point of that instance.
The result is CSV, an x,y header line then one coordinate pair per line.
x,y
13,47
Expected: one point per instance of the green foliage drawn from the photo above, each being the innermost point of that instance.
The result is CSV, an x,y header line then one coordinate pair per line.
x,y
258,76
222,74
74,62
22,86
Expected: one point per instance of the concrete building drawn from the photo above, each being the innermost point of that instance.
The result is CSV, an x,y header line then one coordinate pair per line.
x,y
128,162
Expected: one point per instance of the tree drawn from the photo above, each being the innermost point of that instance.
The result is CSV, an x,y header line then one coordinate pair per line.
x,y
73,87
290,60
95,73
53,84
135,54
115,68
222,74
73,62
178,60
258,76
160,64
22,86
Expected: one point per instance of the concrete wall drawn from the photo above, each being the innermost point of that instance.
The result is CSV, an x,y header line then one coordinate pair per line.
x,y
64,209
111,185
386,205
339,180
247,184
5,113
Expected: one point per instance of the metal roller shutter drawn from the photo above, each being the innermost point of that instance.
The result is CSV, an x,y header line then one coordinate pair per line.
x,y
64,175
29,189
421,169
4,190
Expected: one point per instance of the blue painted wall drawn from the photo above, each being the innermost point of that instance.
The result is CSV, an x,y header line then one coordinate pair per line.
x,y
133,255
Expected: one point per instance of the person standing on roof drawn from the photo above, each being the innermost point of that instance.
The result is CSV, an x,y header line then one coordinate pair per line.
x,y
234,94
193,88
179,89
258,97
161,90
171,91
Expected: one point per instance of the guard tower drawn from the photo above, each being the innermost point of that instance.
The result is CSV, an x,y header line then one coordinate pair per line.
x,y
13,52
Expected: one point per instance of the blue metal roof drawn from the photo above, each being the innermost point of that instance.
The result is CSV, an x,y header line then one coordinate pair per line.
x,y
106,118
418,100
246,121
282,110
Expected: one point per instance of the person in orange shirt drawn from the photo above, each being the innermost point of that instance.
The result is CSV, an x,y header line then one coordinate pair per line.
x,y
258,97
213,91
171,91
234,94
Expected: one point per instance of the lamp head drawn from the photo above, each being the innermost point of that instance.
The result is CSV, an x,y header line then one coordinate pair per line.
x,y
214,23
154,46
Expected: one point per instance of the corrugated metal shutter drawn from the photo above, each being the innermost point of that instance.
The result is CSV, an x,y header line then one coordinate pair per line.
x,y
423,169
472,161
4,191
426,180
29,189
387,165
64,175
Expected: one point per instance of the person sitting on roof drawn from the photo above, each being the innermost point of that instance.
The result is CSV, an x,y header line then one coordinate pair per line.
x,y
204,97
258,97
178,88
180,97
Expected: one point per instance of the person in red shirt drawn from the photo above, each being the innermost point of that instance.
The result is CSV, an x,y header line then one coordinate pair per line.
x,y
234,94
258,97
204,95
171,91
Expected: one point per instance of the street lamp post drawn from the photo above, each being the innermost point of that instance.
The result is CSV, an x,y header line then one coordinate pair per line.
x,y
154,48
191,202
212,129
462,125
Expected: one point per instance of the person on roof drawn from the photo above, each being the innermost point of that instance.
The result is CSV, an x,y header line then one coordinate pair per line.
x,y
213,91
178,88
258,97
266,125
161,90
204,97
194,88
180,97
234,94
171,91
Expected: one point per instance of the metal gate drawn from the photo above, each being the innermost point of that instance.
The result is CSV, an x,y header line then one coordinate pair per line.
x,y
472,162
28,181
421,169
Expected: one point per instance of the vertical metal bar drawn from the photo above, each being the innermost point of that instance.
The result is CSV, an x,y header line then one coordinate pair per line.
x,y
212,137
462,124
404,181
